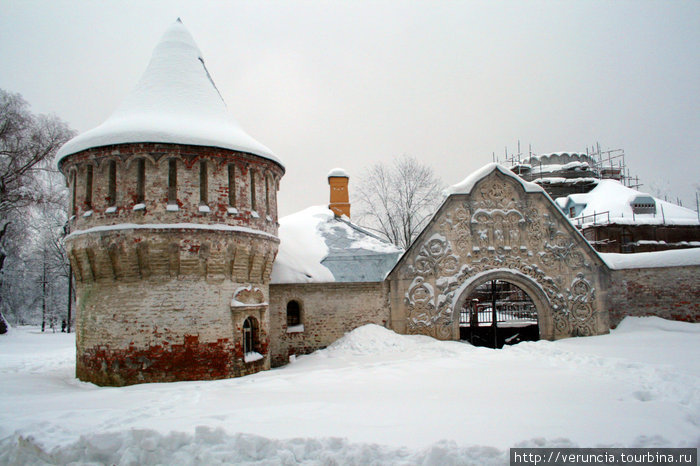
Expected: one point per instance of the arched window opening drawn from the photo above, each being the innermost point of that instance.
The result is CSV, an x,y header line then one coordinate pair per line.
x,y
172,182
112,184
253,203
88,188
251,343
74,197
203,183
140,181
267,195
498,313
294,323
232,185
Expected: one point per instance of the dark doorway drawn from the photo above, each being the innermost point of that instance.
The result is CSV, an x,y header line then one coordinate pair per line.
x,y
498,313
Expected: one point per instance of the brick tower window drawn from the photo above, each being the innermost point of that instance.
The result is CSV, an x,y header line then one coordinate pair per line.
x,y
172,181
74,197
203,183
112,184
140,181
253,203
232,185
268,183
88,188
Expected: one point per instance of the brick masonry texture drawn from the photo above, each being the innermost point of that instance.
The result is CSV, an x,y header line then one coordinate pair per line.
x,y
161,331
157,157
328,311
667,292
156,304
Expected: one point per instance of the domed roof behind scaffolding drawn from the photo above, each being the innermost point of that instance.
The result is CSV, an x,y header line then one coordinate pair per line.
x,y
175,101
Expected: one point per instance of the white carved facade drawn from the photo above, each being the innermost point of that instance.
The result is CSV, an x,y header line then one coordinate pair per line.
x,y
499,230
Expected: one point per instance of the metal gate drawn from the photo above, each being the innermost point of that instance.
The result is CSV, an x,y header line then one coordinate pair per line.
x,y
498,313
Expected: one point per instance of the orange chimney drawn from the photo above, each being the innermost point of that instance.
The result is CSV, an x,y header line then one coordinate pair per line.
x,y
340,200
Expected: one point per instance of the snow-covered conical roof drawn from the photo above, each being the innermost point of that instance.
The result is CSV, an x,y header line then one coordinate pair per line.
x,y
176,101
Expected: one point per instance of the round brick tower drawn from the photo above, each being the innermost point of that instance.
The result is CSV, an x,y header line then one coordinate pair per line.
x,y
173,231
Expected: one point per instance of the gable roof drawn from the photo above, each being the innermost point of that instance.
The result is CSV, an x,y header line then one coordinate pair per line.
x,y
467,185
175,101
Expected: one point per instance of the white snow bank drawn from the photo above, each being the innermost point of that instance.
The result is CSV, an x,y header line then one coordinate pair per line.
x,y
466,185
614,197
640,260
176,101
374,339
374,397
215,446
637,325
302,248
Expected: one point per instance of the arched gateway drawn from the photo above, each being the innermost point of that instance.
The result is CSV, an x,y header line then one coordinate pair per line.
x,y
495,226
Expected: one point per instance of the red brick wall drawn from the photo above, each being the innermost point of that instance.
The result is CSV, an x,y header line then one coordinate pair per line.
x,y
668,292
157,157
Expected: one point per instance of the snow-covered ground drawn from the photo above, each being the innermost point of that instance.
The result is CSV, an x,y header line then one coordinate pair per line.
x,y
372,397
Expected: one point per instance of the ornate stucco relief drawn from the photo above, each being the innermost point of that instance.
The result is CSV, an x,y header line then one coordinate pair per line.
x,y
499,227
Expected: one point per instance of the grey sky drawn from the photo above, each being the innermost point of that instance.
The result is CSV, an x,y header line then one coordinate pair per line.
x,y
348,84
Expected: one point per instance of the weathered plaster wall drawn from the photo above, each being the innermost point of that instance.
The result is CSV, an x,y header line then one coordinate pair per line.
x,y
499,231
668,292
328,311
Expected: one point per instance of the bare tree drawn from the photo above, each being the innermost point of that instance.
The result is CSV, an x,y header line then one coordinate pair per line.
x,y
28,144
398,200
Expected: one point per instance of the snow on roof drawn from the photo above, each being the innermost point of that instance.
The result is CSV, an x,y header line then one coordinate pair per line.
x,y
549,155
639,260
338,172
317,246
466,185
301,248
614,197
176,101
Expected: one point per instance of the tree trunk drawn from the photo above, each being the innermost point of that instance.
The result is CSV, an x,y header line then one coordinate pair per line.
x,y
43,298
4,326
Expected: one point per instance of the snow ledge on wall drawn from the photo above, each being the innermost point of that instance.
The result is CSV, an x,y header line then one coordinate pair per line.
x,y
641,260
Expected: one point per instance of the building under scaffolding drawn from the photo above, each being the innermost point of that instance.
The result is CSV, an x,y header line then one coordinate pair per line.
x,y
613,215
564,173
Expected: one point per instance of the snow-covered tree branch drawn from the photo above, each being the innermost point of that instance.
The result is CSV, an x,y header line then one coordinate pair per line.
x,y
28,181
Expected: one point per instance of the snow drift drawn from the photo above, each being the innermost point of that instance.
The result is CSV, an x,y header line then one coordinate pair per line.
x,y
373,397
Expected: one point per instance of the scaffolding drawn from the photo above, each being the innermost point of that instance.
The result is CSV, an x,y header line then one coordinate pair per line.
x,y
607,164
611,165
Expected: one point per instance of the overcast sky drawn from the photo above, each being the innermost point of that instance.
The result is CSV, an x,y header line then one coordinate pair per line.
x,y
348,84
